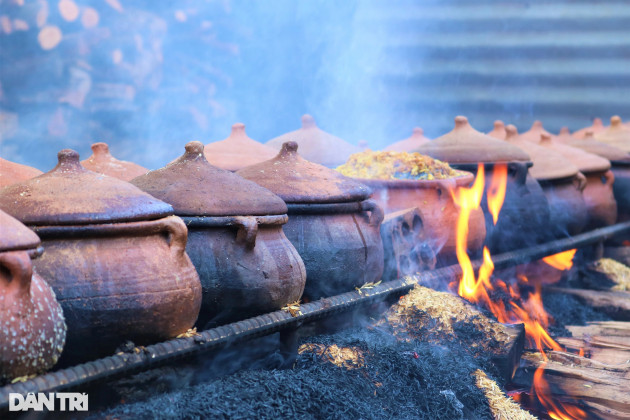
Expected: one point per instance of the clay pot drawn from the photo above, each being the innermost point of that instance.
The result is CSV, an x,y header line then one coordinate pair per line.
x,y
416,139
246,264
596,128
114,257
534,133
616,135
598,194
561,182
439,211
33,330
621,188
620,161
498,132
333,225
103,162
524,217
11,172
237,151
317,145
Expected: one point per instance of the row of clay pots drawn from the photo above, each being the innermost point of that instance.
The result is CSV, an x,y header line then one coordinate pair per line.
x,y
611,143
114,256
206,243
101,162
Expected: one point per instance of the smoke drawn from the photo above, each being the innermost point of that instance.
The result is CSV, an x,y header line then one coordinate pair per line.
x,y
148,77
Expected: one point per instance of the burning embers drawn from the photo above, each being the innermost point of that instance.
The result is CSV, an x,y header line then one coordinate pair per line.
x,y
514,302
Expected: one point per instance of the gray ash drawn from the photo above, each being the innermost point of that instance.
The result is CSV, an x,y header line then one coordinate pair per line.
x,y
398,380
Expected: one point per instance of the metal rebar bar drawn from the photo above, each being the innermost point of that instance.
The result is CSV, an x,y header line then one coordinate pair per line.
x,y
157,354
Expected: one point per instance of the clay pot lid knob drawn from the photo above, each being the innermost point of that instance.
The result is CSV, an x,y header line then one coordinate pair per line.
x,y
615,121
68,161
461,122
537,124
238,130
498,124
308,121
597,122
417,132
510,132
289,148
194,150
101,150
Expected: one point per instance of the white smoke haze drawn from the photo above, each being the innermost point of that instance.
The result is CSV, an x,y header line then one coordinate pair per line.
x,y
147,77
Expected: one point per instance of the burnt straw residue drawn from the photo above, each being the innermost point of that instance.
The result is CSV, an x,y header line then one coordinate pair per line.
x,y
396,379
569,310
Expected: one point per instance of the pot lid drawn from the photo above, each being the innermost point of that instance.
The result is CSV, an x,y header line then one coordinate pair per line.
x,y
196,188
69,194
548,164
464,144
616,135
416,139
11,172
237,151
584,161
534,133
498,132
317,145
591,145
14,235
297,180
597,126
103,162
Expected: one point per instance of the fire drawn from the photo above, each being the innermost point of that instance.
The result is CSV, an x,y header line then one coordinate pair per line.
x,y
556,411
476,289
468,199
562,260
496,192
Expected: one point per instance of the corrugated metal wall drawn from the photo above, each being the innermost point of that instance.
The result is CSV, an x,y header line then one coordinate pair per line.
x,y
563,62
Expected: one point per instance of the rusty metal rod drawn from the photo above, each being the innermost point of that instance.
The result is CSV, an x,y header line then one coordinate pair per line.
x,y
161,353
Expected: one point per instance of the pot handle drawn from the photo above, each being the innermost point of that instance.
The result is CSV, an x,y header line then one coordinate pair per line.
x,y
21,270
177,233
247,230
580,181
377,215
610,178
520,169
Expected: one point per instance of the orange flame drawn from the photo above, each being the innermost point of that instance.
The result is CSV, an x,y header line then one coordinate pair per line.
x,y
496,192
562,260
475,289
468,199
556,411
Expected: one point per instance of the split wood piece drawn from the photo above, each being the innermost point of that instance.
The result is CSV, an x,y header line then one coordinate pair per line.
x,y
598,350
603,328
614,304
406,247
603,389
508,359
